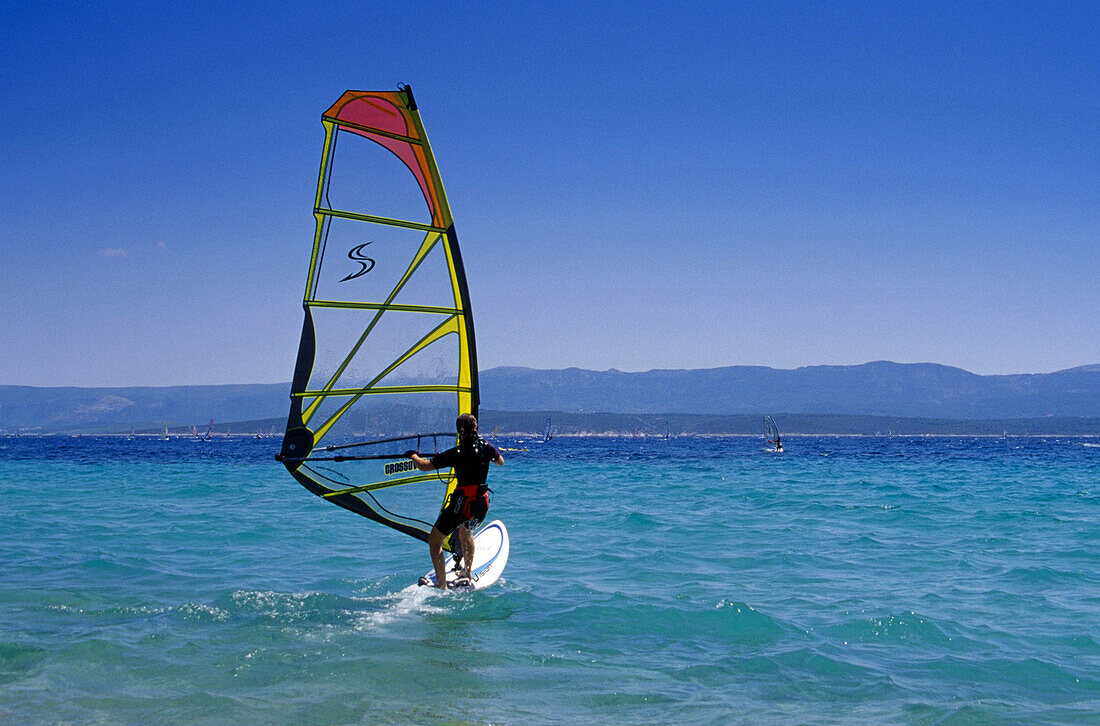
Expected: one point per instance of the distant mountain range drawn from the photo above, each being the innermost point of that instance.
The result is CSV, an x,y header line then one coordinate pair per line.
x,y
872,389
881,389
48,410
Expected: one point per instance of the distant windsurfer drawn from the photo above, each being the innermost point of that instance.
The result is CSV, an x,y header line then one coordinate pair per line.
x,y
468,504
771,433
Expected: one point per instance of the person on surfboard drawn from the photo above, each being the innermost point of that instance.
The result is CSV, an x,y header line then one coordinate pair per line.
x,y
468,504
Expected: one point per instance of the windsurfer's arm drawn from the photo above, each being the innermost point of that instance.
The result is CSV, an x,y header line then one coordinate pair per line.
x,y
499,461
421,463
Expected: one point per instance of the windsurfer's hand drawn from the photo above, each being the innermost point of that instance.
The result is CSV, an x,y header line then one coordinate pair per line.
x,y
410,453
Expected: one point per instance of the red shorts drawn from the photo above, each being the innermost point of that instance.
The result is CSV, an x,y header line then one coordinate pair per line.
x,y
459,511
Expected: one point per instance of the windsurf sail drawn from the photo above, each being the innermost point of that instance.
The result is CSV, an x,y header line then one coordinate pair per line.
x,y
387,358
771,431
549,431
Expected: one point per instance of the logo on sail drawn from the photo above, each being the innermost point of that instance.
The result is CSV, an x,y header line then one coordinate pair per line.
x,y
355,254
399,467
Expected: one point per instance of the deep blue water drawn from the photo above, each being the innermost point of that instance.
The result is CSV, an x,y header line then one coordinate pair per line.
x,y
702,580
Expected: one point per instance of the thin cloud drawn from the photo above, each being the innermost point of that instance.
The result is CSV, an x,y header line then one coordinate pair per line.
x,y
112,252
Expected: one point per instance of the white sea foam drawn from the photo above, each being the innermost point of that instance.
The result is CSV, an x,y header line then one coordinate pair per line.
x,y
202,611
412,601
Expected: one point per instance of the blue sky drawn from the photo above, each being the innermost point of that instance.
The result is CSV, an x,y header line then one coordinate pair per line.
x,y
635,186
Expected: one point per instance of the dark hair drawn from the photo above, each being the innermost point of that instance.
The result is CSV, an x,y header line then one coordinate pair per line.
x,y
466,424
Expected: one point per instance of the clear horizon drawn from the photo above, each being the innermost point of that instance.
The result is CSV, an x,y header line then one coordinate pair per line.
x,y
633,188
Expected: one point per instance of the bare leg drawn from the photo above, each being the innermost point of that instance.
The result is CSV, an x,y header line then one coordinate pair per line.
x,y
467,549
435,547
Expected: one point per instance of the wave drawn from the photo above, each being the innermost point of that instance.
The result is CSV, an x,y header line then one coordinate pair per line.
x,y
909,628
17,660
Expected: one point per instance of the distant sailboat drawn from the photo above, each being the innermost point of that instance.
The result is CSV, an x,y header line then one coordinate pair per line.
x,y
165,432
209,431
549,431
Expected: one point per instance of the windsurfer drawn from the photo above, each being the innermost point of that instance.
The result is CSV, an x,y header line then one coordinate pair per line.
x,y
468,504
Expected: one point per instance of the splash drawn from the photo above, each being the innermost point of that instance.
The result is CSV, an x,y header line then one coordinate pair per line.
x,y
408,603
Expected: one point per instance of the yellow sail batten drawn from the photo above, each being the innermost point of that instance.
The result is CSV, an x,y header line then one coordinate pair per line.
x,y
383,390
388,221
384,485
373,131
321,221
432,309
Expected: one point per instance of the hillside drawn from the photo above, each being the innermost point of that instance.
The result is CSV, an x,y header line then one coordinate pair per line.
x,y
882,389
873,389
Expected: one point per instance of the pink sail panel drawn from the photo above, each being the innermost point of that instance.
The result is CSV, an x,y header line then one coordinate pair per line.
x,y
387,111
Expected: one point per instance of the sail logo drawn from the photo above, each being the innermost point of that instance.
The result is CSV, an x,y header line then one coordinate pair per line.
x,y
355,254
399,467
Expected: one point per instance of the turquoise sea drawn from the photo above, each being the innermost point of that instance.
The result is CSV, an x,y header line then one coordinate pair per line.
x,y
689,581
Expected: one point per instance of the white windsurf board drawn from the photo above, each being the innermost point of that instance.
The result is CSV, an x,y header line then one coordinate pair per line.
x,y
490,557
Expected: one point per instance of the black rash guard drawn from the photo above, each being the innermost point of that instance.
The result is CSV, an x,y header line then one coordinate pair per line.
x,y
469,502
